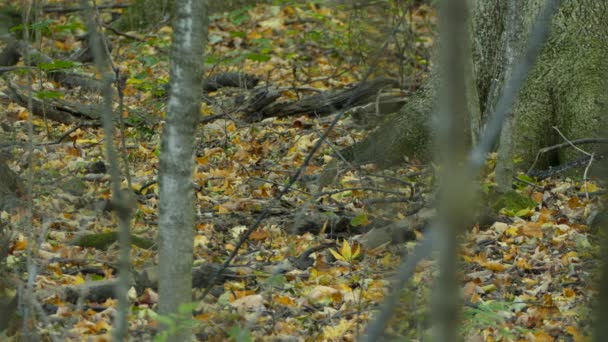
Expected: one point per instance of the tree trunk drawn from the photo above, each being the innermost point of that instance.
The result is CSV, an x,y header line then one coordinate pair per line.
x,y
176,221
566,88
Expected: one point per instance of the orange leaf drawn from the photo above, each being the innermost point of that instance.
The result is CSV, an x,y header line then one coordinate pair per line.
x,y
72,151
284,300
494,266
537,196
259,235
20,245
542,336
573,202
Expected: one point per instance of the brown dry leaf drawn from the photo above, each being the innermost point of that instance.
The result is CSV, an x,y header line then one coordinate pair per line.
x,y
532,229
259,235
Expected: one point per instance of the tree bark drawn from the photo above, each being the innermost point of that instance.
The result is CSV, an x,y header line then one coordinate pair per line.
x,y
176,221
566,88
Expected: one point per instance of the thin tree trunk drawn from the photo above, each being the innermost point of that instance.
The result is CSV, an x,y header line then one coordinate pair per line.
x,y
513,35
452,145
176,221
120,199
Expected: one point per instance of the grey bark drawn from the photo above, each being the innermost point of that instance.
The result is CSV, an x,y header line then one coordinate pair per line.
x,y
176,221
514,33
566,88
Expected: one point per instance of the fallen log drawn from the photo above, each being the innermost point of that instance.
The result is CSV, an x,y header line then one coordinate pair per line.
x,y
56,110
328,102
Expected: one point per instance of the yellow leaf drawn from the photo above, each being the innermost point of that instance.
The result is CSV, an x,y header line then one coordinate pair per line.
x,y
336,254
524,212
512,231
589,187
345,250
337,332
489,288
146,209
87,141
522,264
78,280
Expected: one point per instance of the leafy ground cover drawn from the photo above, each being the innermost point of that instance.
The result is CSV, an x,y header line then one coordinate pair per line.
x,y
528,274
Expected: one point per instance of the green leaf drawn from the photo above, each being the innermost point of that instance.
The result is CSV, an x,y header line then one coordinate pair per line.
x,y
42,24
276,280
70,27
165,320
524,212
56,65
511,201
17,28
187,308
525,177
49,95
359,220
237,333
238,34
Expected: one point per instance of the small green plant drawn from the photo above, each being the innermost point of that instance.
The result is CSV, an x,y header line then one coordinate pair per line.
x,y
492,314
240,334
176,322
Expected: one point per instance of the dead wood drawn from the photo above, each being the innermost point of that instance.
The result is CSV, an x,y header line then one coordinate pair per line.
x,y
56,110
84,54
17,49
328,102
230,79
100,291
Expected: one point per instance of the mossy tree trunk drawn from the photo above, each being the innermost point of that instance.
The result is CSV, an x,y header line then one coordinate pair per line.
x,y
566,88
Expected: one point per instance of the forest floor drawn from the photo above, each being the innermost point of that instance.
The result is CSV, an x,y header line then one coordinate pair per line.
x,y
529,275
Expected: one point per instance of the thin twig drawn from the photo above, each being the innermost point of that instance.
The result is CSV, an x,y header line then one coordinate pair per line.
x,y
585,174
566,144
570,142
590,155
